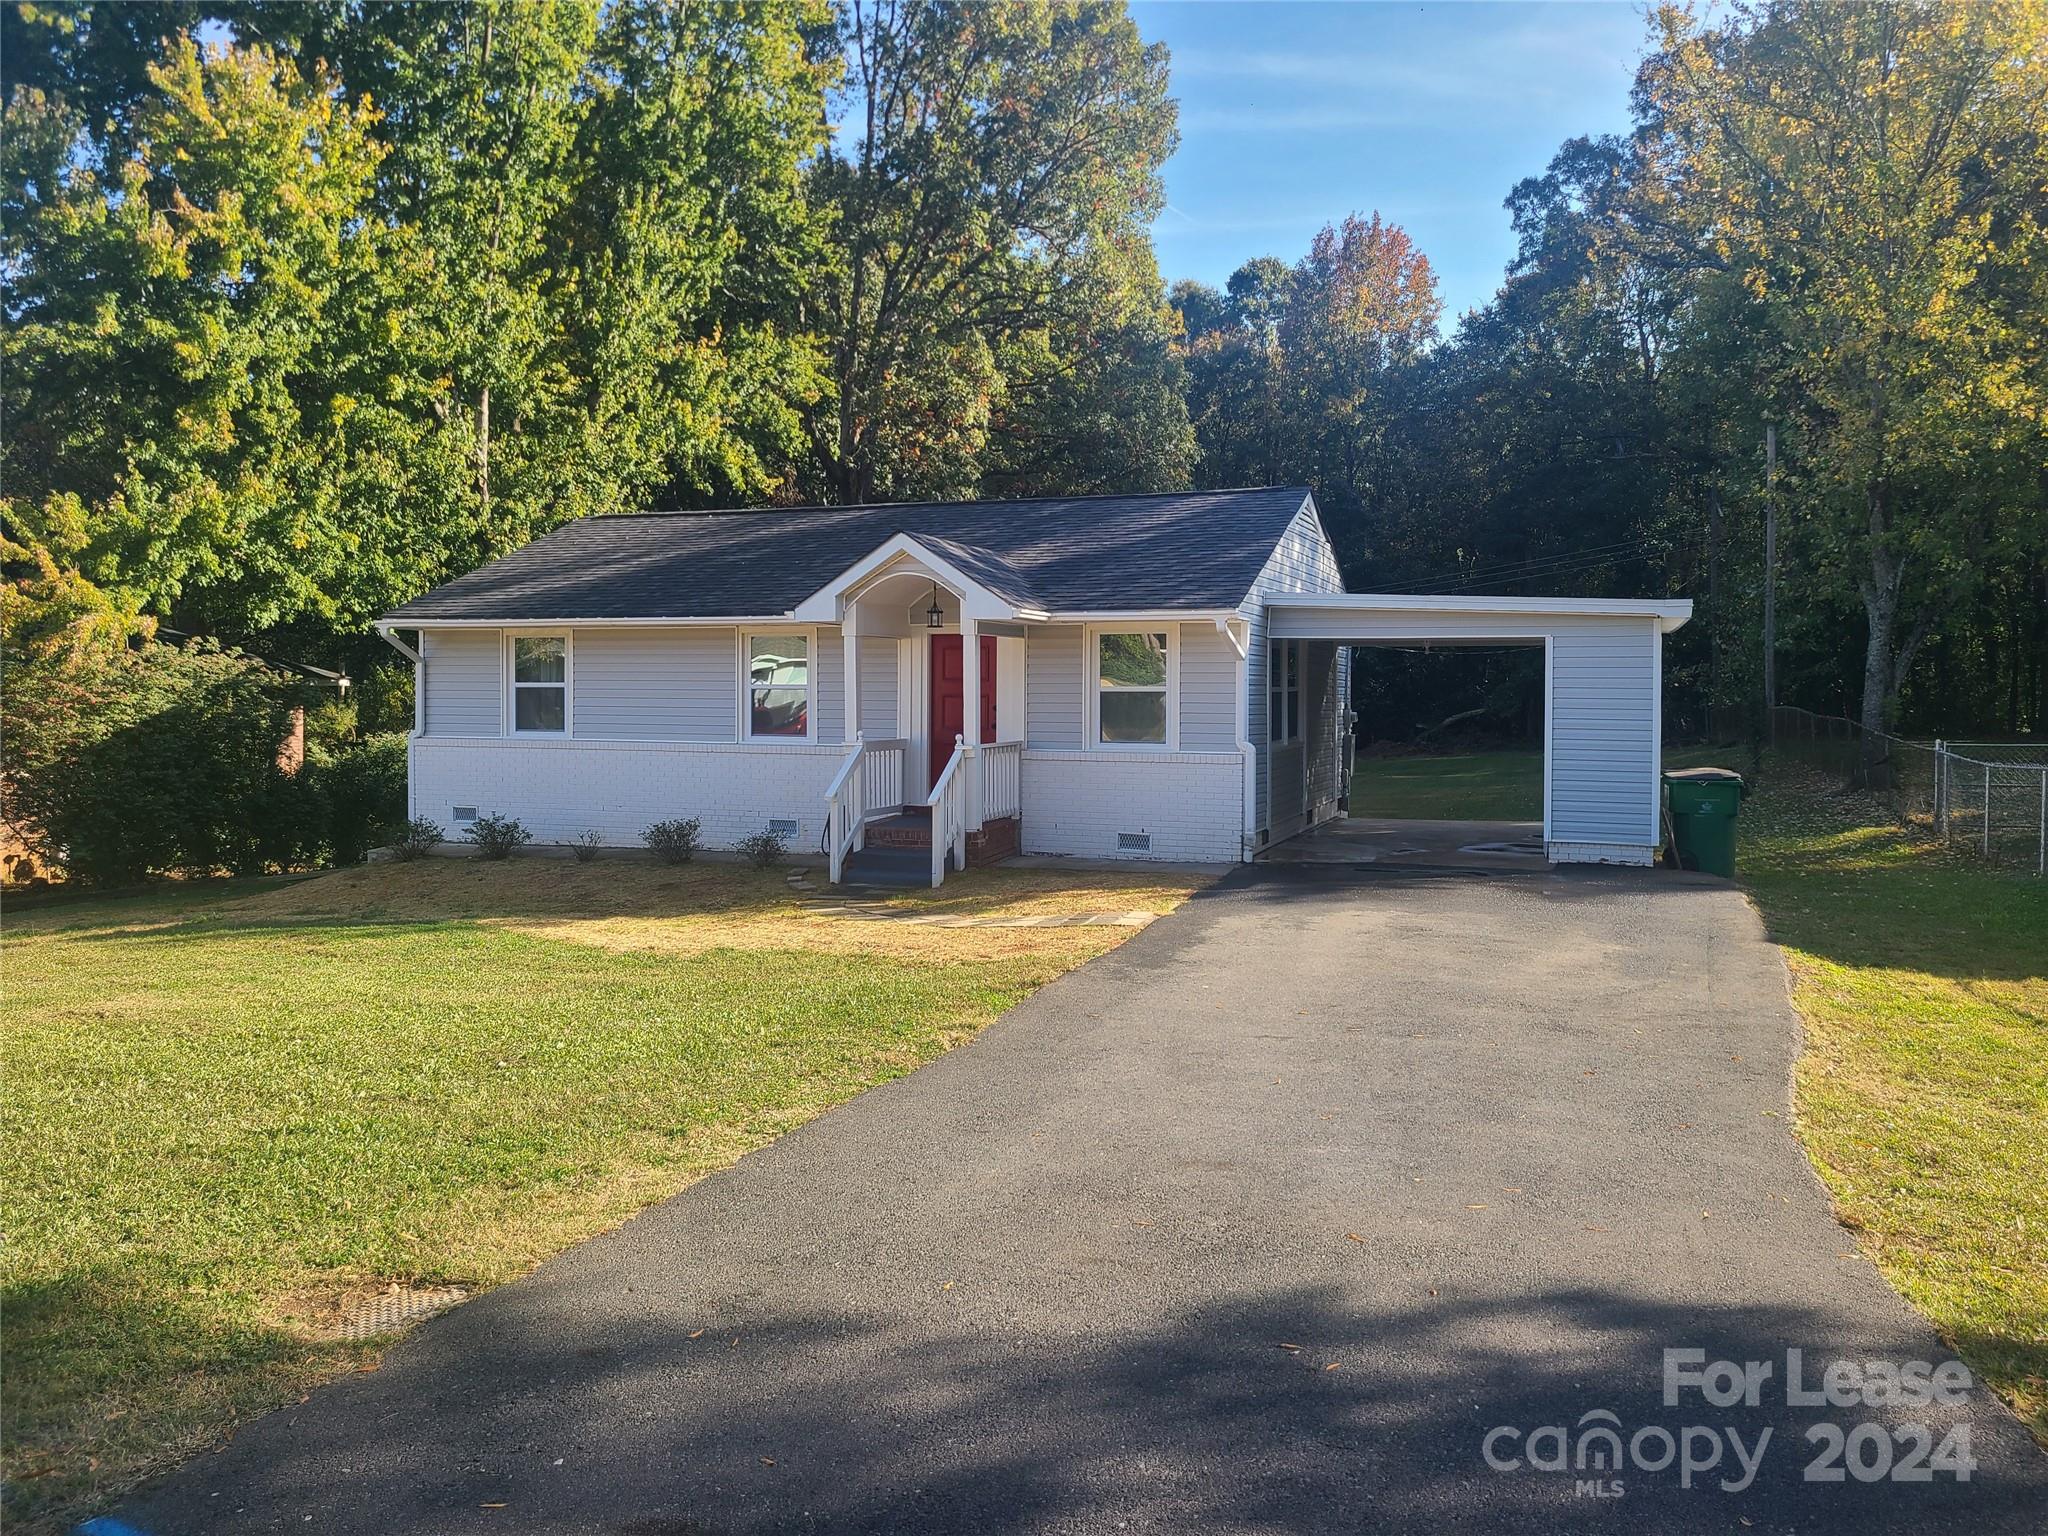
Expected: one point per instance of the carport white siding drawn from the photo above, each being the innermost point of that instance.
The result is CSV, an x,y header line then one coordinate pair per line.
x,y
1601,711
1303,562
1601,715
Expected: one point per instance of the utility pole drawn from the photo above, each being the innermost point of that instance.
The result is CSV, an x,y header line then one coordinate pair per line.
x,y
1770,580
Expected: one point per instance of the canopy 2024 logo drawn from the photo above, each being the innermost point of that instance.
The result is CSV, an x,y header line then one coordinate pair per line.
x,y
1599,1453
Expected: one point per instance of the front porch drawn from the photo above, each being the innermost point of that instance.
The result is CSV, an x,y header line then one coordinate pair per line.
x,y
946,792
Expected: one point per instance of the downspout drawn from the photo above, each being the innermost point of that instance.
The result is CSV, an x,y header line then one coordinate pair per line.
x,y
419,713
1247,753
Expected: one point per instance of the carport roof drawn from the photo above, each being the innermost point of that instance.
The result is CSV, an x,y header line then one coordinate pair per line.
x,y
1669,612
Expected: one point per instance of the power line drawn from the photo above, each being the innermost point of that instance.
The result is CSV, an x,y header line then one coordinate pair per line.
x,y
1552,565
1507,567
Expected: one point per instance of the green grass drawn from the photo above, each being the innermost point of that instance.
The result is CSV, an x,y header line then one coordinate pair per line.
x,y
1468,786
230,1114
1922,1095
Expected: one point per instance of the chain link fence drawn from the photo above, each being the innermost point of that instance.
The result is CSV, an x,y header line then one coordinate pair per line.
x,y
1991,797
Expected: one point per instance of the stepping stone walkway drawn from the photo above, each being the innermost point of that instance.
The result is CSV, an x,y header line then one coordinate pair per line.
x,y
863,904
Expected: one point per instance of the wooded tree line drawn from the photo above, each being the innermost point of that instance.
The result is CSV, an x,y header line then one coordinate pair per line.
x,y
312,305
1828,221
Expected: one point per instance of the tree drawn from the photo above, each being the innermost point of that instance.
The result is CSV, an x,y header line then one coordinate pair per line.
x,y
302,325
989,167
1867,171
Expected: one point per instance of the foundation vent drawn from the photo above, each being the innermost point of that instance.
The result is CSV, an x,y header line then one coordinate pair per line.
x,y
465,813
782,826
1134,842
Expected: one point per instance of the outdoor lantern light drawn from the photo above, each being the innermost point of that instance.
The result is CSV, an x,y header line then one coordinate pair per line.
x,y
935,615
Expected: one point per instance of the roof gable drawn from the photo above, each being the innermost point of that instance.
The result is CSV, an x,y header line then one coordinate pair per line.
x,y
1194,550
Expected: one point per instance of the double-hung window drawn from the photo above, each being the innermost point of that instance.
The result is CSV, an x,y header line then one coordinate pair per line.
x,y
1283,691
540,684
778,699
1132,672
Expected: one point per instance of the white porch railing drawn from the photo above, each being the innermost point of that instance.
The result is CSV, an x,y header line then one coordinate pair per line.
x,y
869,784
948,806
882,766
1002,779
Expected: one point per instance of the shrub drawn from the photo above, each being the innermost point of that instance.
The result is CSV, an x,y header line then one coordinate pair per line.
x,y
123,763
673,842
361,789
585,847
418,838
764,850
496,836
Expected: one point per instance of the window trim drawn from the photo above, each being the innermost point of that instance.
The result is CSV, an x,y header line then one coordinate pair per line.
x,y
509,658
744,720
1277,686
1091,683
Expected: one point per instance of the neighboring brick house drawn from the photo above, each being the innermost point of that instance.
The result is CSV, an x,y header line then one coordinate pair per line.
x,y
810,671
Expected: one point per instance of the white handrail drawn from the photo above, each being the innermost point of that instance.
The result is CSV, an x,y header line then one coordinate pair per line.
x,y
1002,785
948,807
869,783
845,809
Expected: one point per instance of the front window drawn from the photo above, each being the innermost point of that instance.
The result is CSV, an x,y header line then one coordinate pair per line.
x,y
1131,688
1283,690
540,683
778,685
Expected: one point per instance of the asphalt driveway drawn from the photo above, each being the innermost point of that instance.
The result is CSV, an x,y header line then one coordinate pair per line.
x,y
1260,1223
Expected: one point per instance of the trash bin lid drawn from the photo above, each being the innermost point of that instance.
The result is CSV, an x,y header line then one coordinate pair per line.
x,y
1702,775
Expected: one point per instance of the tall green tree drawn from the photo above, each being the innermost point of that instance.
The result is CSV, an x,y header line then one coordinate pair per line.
x,y
1869,171
990,177
302,325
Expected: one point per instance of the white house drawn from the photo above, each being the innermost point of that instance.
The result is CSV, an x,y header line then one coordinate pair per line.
x,y
1159,677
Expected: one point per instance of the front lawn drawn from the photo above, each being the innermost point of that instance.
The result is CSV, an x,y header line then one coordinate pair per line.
x,y
233,1112
1922,1095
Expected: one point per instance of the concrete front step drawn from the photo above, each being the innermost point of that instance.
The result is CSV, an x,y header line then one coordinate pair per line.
x,y
888,866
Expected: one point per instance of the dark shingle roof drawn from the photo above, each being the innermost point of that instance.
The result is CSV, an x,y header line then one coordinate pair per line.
x,y
1183,549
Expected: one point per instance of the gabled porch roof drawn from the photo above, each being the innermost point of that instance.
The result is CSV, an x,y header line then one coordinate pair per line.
x,y
986,585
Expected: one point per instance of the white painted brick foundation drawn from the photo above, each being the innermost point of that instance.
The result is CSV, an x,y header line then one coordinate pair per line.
x,y
1599,853
561,789
1192,803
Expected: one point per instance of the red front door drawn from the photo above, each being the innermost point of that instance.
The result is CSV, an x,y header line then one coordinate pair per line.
x,y
949,697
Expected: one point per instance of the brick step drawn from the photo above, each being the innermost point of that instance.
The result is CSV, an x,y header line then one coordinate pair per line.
x,y
900,832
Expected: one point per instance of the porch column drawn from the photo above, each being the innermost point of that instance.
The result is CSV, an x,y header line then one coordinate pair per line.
x,y
849,645
970,713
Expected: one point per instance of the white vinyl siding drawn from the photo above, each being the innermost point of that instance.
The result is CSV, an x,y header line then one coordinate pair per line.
x,y
828,686
1603,785
1055,704
878,664
635,684
464,681
1208,690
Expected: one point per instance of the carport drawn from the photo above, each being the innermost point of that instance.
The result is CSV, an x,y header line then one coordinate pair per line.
x,y
1603,662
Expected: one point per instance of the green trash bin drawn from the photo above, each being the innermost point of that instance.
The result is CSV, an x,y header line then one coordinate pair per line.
x,y
1704,803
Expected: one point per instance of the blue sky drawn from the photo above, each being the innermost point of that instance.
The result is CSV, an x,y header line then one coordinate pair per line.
x,y
1293,115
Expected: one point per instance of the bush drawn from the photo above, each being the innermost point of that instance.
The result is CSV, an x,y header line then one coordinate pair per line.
x,y
361,789
123,763
585,847
673,842
496,836
764,850
418,838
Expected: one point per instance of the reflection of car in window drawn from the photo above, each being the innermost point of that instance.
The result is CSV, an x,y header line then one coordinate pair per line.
x,y
778,680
